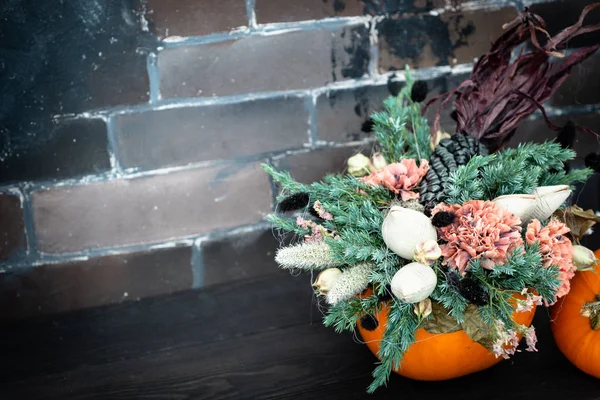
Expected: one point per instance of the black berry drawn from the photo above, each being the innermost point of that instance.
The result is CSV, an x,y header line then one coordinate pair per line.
x,y
442,219
294,202
418,92
367,126
369,322
394,85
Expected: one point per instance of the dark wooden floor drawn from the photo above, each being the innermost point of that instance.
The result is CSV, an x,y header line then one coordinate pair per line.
x,y
257,339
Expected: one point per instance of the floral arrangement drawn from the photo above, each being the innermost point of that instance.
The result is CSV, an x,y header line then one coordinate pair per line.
x,y
448,230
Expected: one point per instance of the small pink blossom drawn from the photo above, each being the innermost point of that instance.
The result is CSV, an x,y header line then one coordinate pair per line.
x,y
318,206
530,338
527,304
317,232
506,342
401,177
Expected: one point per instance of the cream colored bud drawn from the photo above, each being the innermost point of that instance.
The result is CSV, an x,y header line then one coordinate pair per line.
x,y
423,308
438,137
378,162
326,280
358,165
583,258
427,252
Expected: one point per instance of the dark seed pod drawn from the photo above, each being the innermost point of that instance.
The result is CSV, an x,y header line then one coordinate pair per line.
x,y
592,161
367,126
369,322
418,92
566,136
442,219
454,115
394,85
294,202
472,290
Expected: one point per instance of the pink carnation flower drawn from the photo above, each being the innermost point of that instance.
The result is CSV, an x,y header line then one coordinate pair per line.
x,y
481,230
401,177
556,249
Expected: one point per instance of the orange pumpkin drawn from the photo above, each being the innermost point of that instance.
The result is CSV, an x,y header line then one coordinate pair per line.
x,y
577,335
437,357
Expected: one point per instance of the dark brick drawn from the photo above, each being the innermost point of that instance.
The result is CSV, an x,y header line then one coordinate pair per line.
x,y
582,87
12,228
287,11
240,256
55,288
428,40
150,209
538,131
313,165
67,57
210,132
190,18
438,86
341,113
560,14
71,148
296,60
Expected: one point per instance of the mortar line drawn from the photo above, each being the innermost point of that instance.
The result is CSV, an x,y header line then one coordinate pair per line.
x,y
251,11
153,77
29,222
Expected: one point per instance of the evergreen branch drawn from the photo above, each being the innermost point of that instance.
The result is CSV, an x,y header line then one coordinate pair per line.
x,y
401,130
398,337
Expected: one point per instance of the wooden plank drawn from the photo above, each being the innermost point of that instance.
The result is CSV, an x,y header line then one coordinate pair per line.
x,y
258,339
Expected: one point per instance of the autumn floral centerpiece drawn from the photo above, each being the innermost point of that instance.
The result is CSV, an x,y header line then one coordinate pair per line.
x,y
437,248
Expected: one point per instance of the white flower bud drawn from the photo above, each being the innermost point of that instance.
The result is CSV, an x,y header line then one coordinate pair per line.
x,y
403,229
413,282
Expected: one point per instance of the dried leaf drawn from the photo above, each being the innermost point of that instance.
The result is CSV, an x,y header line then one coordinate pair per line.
x,y
440,320
499,94
578,220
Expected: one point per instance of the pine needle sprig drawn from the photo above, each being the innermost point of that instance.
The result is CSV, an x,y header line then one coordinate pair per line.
x,y
401,130
398,337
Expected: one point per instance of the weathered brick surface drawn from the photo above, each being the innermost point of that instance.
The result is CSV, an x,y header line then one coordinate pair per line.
x,y
73,148
180,136
342,113
150,209
429,40
562,13
239,256
268,11
54,288
583,86
12,227
65,57
192,18
314,165
296,60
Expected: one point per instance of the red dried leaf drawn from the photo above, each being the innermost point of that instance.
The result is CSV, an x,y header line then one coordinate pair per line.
x,y
499,94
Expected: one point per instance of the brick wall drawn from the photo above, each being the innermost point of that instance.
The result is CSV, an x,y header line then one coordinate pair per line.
x,y
132,131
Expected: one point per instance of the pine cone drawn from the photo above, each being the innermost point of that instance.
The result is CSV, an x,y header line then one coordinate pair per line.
x,y
449,154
